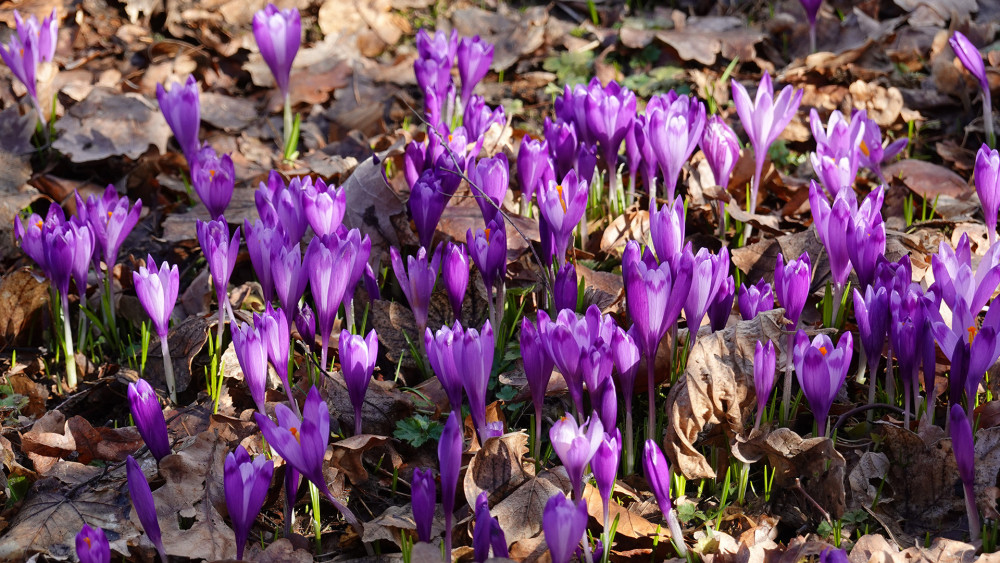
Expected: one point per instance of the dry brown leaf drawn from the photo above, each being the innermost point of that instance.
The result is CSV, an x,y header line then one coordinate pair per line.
x,y
348,454
883,104
499,467
873,548
631,225
630,524
384,404
927,179
390,524
513,33
108,124
102,443
987,469
701,39
48,441
520,514
280,550
371,201
36,393
23,299
186,341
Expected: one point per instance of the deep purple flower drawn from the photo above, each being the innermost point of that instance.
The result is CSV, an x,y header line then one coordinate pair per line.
x,y
721,307
329,262
30,45
278,34
474,58
362,248
832,224
565,289
610,111
721,148
290,274
371,283
245,483
571,108
63,245
871,311
145,508
423,493
596,366
305,323
450,447
575,445
707,274
182,110
821,370
873,154
213,178
955,279
111,219
429,196
148,417
157,291
324,206
764,119
791,285
562,206
987,175
357,362
972,348
605,465
675,127
537,365
83,253
479,117
455,275
92,545
964,446
658,475
441,353
488,248
625,354
561,137
473,352
251,352
262,243
971,58
534,168
564,523
417,279
440,46
275,330
812,9
830,554
764,359
866,236
640,153
32,234
487,532
570,339
755,299
284,205
220,253
489,180
666,229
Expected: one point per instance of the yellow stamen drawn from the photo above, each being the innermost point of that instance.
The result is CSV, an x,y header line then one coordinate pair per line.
x,y
110,213
864,149
295,432
822,350
972,333
561,200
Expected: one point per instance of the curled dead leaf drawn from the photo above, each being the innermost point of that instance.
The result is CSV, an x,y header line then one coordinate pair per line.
x,y
498,467
348,454
520,514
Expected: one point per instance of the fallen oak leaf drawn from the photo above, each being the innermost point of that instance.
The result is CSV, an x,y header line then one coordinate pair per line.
x,y
348,454
520,513
48,441
499,467
102,443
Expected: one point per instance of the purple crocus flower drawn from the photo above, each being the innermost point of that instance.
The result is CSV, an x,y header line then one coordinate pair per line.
x,y
262,243
324,206
473,352
833,555
832,224
284,205
148,417
764,119
290,274
564,523
565,289
450,447
972,60
429,196
822,369
455,275
213,178
417,279
707,274
423,494
596,366
871,311
721,148
157,289
571,107
575,445
666,229
838,149
755,299
302,442
537,367
278,34
563,143
721,307
329,262
474,58
654,296
873,154
764,358
487,532
791,285
305,323
605,465
251,352
245,482
973,348
441,353
562,206
906,328
62,244
489,180
436,55
30,45
955,279
675,127
640,153
987,175
92,545
658,475
357,361
488,249
866,236
32,234
479,117
83,254
964,446
570,339
626,355
145,508
220,253
182,110
275,330
609,113
534,168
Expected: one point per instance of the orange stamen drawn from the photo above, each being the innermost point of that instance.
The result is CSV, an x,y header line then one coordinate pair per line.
x,y
40,223
450,137
972,333
864,148
110,213
295,432
211,173
487,231
87,540
561,199
822,350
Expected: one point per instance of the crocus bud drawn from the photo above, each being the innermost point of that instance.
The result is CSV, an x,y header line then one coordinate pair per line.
x,y
575,445
666,229
609,112
213,178
142,502
871,311
262,242
157,291
489,180
278,34
755,299
92,545
220,253
721,148
821,370
721,307
764,358
563,145
708,272
62,244
305,323
971,58
429,196
324,206
82,253
455,274
450,447
251,352
605,466
479,117
329,263
440,347
275,331
474,356
987,174
562,206
371,283
534,168
245,483
283,205
791,285
474,58
289,274
422,499
565,290
182,110
487,532
357,360
488,249
866,236
675,128
417,279
626,356
148,417
564,523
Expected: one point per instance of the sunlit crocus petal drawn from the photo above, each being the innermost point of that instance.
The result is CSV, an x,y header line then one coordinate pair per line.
x,y
148,417
666,229
564,523
755,299
214,179
987,175
157,291
182,110
422,499
764,358
245,484
791,285
357,362
450,447
251,353
575,445
821,370
278,34
142,502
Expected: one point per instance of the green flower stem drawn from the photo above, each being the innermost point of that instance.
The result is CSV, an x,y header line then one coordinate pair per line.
x,y
168,368
68,341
